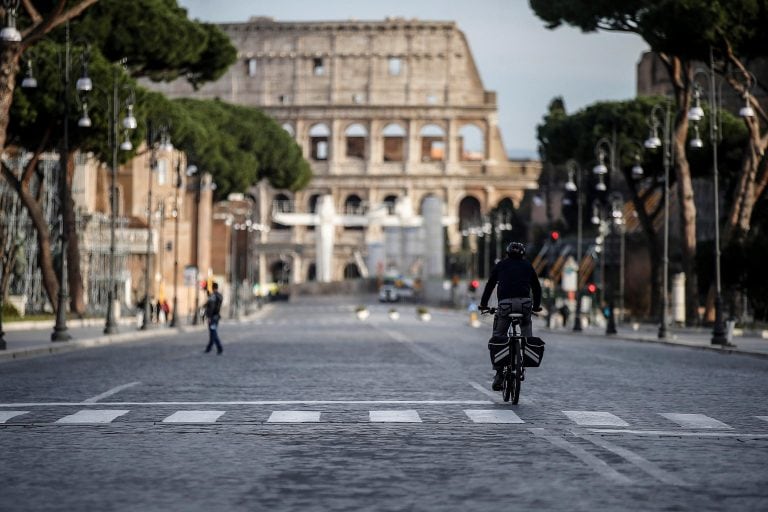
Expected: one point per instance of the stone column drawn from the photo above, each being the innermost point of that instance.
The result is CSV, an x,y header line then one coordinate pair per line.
x,y
434,242
324,236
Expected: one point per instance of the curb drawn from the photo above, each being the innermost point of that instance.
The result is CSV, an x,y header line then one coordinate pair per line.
x,y
69,346
711,348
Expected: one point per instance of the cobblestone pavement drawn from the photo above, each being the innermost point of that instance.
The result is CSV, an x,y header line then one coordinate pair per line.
x,y
309,408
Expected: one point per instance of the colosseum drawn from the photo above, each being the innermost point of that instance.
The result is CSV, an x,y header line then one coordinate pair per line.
x,y
387,113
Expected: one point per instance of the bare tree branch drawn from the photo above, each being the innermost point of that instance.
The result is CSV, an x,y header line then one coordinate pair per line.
x,y
29,170
32,12
54,19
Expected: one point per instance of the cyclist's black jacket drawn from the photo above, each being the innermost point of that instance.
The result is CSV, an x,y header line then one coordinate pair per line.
x,y
516,278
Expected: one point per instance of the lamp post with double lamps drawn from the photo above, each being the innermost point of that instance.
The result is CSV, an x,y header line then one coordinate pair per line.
x,y
656,121
608,214
158,140
82,86
128,124
570,186
696,114
176,214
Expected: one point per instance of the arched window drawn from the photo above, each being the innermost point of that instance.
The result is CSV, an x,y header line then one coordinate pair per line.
x,y
318,142
288,127
356,134
472,143
281,271
432,143
312,207
394,143
353,205
281,203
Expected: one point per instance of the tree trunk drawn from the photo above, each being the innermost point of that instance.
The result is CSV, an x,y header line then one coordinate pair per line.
x,y
45,257
74,271
687,218
9,66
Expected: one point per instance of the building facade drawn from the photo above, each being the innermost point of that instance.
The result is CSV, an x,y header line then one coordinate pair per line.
x,y
387,113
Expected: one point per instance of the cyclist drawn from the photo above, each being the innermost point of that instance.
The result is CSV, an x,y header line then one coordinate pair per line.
x,y
516,282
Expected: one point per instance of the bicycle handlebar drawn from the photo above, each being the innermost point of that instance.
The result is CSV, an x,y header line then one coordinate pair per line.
x,y
492,311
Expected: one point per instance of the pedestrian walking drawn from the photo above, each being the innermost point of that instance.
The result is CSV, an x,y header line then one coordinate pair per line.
x,y
213,314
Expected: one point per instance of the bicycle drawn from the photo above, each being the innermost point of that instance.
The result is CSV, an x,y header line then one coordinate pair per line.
x,y
513,355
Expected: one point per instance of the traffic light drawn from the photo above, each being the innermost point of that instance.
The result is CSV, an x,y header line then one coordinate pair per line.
x,y
473,285
554,236
591,288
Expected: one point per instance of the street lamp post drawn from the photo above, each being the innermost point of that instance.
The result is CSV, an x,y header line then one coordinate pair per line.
x,y
654,142
129,123
176,214
570,186
83,86
695,114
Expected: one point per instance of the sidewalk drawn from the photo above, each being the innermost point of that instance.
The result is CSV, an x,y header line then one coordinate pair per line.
x,y
692,337
34,339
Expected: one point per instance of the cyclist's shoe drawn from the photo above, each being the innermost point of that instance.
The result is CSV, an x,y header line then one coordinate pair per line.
x,y
497,379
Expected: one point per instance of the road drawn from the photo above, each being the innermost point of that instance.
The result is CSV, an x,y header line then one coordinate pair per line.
x,y
309,408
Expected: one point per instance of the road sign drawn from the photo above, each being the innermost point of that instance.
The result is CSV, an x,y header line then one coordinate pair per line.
x,y
190,275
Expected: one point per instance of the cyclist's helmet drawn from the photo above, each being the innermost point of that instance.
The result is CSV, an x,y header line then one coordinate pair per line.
x,y
516,249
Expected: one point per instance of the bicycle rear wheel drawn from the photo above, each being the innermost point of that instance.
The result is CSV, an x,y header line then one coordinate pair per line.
x,y
517,376
507,384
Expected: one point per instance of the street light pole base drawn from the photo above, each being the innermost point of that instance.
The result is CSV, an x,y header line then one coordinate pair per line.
x,y
60,334
662,332
718,330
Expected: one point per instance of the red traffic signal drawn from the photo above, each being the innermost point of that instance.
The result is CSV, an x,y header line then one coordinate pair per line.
x,y
555,236
473,285
591,288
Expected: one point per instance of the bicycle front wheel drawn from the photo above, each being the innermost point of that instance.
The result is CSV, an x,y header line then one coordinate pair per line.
x,y
507,384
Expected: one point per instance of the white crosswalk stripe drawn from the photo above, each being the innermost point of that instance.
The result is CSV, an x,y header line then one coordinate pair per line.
x,y
7,415
764,418
492,416
93,416
695,421
294,417
595,419
194,417
402,416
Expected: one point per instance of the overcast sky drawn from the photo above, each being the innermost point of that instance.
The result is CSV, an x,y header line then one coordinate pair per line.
x,y
526,64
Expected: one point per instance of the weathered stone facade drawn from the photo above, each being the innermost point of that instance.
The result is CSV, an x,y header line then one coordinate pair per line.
x,y
383,110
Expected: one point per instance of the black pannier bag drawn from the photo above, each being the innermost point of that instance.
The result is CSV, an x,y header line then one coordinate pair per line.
x,y
534,352
499,349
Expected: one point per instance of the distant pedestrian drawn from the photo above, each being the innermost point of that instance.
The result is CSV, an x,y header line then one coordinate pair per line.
x,y
166,309
213,314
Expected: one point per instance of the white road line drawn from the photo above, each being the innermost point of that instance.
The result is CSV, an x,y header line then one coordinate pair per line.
x,y
695,421
194,417
675,433
764,418
93,416
109,393
492,416
595,419
294,417
597,464
263,402
486,392
6,415
656,472
402,416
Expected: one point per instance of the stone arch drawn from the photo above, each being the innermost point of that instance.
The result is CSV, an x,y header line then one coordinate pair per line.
x,y
389,203
394,136
319,137
353,205
281,203
471,143
280,271
432,143
312,207
355,139
351,271
469,212
312,272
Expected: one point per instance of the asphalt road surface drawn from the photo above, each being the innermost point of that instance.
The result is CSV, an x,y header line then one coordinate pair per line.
x,y
309,408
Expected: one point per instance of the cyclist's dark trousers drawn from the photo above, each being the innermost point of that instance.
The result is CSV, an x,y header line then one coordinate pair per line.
x,y
213,334
506,306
